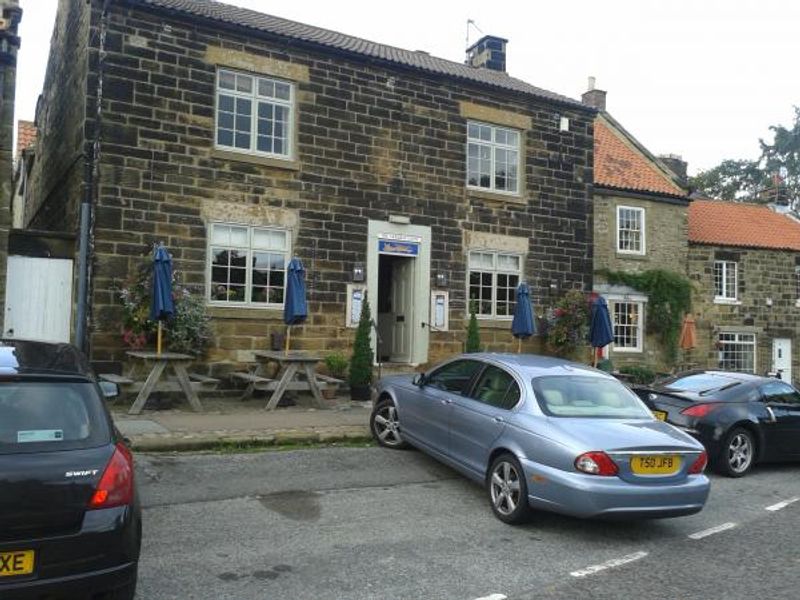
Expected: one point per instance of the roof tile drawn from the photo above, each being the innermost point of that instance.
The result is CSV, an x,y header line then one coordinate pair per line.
x,y
225,13
618,165
26,135
724,223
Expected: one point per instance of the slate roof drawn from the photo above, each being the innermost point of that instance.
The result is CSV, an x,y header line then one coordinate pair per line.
x,y
325,38
619,164
722,223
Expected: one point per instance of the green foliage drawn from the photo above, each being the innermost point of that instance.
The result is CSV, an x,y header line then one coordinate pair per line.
x,y
361,360
571,324
773,176
473,333
336,364
639,374
669,298
189,330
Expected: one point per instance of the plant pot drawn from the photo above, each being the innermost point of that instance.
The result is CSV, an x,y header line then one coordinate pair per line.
x,y
360,393
329,393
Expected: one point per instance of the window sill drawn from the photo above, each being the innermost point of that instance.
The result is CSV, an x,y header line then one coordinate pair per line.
x,y
244,312
633,255
497,196
727,301
627,350
493,322
254,159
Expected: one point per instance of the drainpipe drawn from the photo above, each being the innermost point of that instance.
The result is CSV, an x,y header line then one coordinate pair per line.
x,y
90,176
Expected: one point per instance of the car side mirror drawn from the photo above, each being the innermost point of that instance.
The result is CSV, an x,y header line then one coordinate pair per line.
x,y
419,380
110,390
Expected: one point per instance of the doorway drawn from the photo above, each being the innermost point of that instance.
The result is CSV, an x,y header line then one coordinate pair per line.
x,y
395,307
782,358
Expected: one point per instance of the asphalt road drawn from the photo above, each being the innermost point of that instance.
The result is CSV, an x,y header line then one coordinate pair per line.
x,y
358,523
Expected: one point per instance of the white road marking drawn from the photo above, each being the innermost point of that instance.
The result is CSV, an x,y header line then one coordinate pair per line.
x,y
781,505
609,564
493,597
711,531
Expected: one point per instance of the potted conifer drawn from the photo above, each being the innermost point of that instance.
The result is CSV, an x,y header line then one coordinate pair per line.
x,y
473,333
361,361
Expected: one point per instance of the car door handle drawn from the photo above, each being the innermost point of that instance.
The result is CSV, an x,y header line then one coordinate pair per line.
x,y
498,419
771,413
446,401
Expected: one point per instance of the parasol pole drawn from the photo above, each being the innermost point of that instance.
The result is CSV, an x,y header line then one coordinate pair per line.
x,y
519,345
594,357
158,339
288,337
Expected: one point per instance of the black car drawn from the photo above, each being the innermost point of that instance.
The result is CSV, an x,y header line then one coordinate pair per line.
x,y
741,419
70,521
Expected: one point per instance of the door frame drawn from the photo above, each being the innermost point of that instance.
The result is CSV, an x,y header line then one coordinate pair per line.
x,y
421,280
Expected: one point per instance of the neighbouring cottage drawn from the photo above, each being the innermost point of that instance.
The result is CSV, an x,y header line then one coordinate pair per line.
x,y
640,224
744,261
241,139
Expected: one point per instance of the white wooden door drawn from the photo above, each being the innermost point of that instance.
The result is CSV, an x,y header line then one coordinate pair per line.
x,y
782,358
402,300
38,298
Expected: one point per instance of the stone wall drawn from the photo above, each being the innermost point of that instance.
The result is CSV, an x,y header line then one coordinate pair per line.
x,y
372,141
763,275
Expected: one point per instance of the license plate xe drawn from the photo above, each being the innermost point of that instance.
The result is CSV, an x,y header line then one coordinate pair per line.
x,y
16,562
656,464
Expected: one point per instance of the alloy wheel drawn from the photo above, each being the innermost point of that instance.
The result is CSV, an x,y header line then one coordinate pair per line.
x,y
505,488
740,452
386,425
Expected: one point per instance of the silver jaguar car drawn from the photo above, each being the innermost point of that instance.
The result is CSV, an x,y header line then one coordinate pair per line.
x,y
544,433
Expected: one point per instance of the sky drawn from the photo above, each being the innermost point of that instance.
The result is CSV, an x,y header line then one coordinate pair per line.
x,y
703,79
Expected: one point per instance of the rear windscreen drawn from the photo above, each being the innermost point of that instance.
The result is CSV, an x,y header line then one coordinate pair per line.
x,y
699,382
38,416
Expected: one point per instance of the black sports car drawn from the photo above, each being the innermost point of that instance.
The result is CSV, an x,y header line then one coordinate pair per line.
x,y
70,522
741,419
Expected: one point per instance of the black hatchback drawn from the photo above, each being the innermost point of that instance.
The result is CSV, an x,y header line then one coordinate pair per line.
x,y
70,521
740,418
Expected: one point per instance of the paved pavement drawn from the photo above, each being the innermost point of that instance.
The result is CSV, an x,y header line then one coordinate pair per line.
x,y
369,523
231,421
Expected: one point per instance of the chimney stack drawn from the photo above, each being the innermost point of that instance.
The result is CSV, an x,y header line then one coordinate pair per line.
x,y
677,165
489,52
594,98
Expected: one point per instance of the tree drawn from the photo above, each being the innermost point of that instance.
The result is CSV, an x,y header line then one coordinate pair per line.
x,y
781,160
361,361
730,180
473,333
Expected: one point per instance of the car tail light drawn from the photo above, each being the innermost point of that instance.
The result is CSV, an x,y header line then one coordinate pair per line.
x,y
700,410
699,465
116,484
596,463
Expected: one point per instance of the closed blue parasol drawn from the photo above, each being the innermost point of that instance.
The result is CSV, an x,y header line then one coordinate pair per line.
x,y
295,307
523,327
601,333
162,307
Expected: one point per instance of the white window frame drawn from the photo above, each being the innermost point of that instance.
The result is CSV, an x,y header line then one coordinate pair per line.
x,y
797,286
726,298
495,271
737,341
256,99
248,286
640,302
494,146
642,229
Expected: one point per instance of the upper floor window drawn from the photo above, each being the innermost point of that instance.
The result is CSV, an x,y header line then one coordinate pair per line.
x,y
254,114
492,158
630,230
725,280
493,281
628,326
247,265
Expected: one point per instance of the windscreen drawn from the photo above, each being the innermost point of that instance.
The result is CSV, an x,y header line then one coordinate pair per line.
x,y
560,396
699,382
37,416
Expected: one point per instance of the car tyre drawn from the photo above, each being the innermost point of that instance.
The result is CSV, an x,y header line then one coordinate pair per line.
x,y
508,490
738,453
127,592
385,425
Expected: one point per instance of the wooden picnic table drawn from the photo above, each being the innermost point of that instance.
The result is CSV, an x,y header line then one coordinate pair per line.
x,y
291,366
154,382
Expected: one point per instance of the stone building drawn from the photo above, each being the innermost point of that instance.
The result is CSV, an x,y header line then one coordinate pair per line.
x,y
744,262
10,15
240,139
640,224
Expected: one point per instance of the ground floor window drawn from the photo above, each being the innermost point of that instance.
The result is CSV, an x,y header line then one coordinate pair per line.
x,y
627,317
247,265
737,352
493,281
